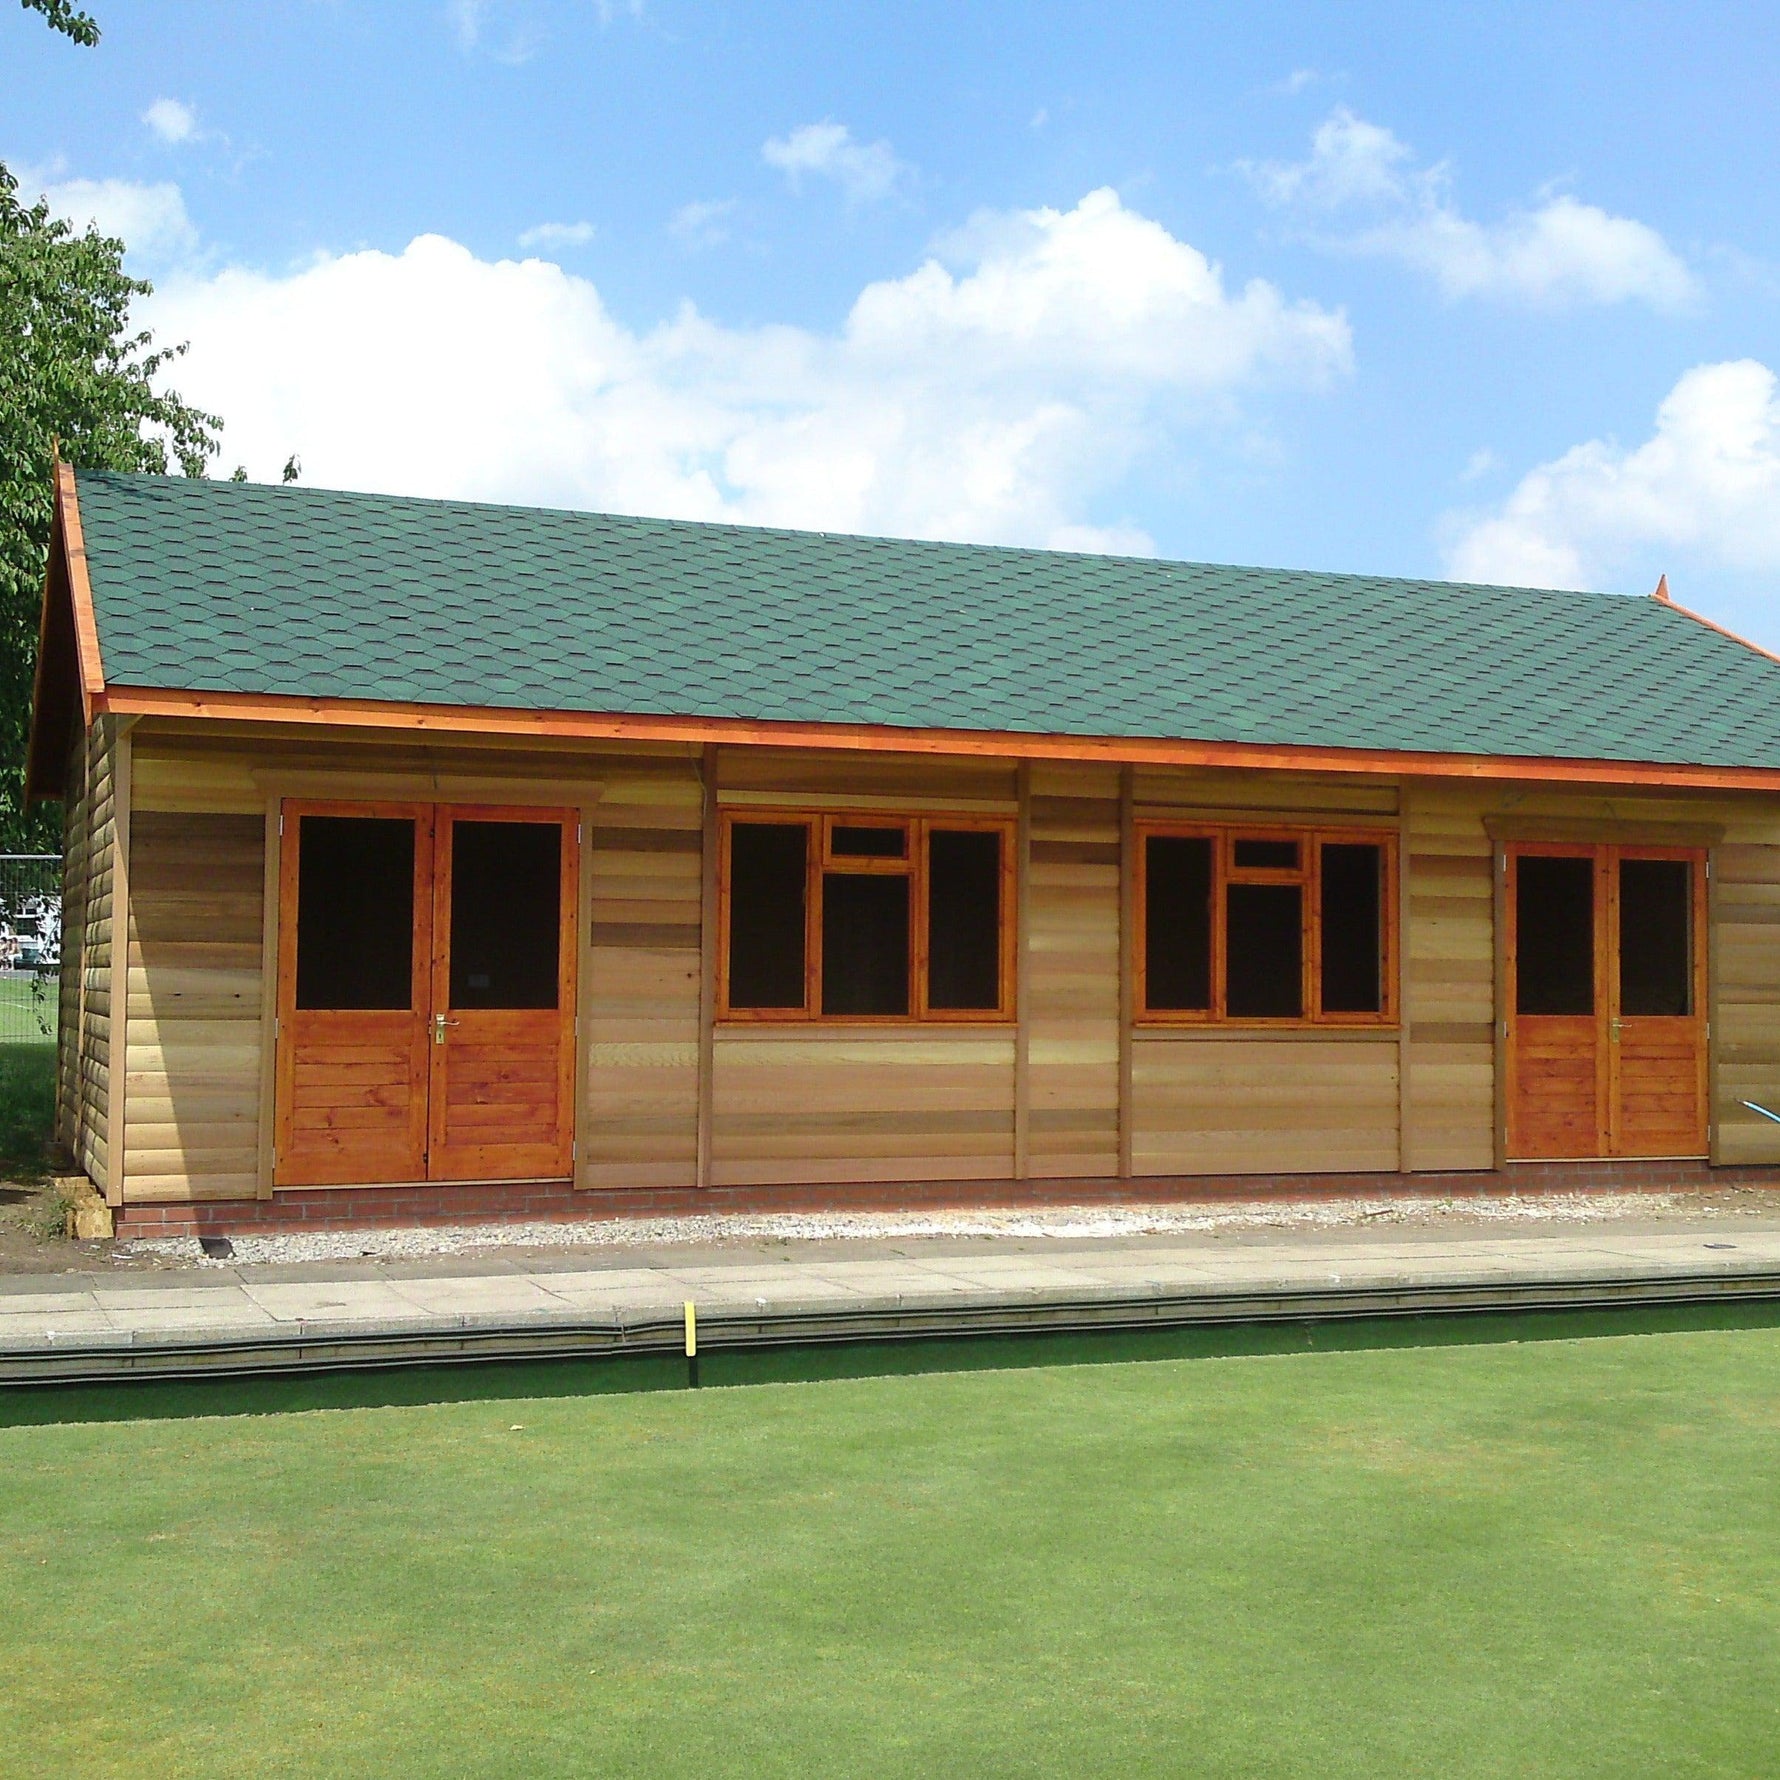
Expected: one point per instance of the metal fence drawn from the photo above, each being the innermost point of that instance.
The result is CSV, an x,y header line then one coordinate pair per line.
x,y
30,946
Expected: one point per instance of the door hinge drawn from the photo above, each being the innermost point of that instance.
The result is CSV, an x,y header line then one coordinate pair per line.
x,y
281,824
574,1148
577,834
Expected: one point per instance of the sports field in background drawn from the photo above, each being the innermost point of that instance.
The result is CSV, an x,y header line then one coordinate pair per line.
x,y
1557,1558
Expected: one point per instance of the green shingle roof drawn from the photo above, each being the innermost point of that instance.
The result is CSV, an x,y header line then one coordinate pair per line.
x,y
237,587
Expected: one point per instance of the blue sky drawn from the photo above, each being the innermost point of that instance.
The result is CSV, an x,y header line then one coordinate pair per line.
x,y
1407,289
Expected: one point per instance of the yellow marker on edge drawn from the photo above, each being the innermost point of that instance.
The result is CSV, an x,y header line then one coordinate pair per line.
x,y
691,1344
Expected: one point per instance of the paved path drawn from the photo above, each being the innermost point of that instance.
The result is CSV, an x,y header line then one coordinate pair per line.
x,y
609,1287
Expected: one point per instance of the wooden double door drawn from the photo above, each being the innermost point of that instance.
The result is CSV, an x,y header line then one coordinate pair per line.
x,y
1606,1002
426,993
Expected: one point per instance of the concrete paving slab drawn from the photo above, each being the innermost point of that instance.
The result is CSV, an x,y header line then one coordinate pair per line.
x,y
324,1300
845,1276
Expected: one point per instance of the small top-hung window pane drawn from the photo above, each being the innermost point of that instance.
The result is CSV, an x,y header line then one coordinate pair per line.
x,y
1177,931
767,863
964,920
1554,935
355,912
1266,855
1655,936
1352,887
850,841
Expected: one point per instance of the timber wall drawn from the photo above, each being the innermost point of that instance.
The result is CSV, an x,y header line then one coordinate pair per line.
x,y
91,844
1072,1091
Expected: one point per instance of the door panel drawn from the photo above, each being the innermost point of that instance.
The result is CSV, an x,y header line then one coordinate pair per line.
x,y
1605,995
354,958
1556,1086
1658,1034
503,985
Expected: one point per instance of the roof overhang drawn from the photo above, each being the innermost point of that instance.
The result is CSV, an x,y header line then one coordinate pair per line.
x,y
494,722
69,688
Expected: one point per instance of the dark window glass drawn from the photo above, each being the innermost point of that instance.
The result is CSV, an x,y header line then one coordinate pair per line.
x,y
355,912
506,913
1264,951
868,843
964,919
865,943
1352,887
766,914
1177,911
1554,927
1267,855
1655,936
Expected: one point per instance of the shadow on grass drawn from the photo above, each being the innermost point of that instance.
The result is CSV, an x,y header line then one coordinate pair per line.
x,y
27,1106
504,1380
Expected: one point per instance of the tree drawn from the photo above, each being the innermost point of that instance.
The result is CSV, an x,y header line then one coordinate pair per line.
x,y
73,375
67,19
71,370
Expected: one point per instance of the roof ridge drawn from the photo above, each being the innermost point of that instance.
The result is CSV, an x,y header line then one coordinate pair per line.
x,y
1664,597
1028,552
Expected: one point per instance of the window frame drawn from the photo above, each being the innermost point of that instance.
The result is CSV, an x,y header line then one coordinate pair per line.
x,y
1308,875
819,859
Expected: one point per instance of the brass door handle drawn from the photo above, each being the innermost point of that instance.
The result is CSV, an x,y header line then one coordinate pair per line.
x,y
439,1025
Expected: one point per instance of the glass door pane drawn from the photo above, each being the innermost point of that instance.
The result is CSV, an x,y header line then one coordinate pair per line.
x,y
506,917
355,912
1554,924
1656,936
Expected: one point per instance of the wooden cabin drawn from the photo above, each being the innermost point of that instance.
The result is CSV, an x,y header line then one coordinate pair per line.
x,y
434,860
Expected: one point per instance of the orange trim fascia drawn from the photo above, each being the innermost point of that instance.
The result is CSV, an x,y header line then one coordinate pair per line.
x,y
1662,593
888,739
80,593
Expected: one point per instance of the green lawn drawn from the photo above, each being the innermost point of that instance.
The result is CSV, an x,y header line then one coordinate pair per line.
x,y
24,1008
1557,1558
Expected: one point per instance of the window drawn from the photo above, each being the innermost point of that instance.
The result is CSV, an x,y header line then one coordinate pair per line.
x,y
1274,927
856,917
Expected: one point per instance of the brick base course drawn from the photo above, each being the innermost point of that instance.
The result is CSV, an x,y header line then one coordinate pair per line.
x,y
340,1208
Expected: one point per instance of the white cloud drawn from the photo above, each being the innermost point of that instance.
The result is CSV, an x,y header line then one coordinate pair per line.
x,y
150,220
556,234
1298,81
703,223
1707,482
503,29
1561,253
995,395
171,121
865,171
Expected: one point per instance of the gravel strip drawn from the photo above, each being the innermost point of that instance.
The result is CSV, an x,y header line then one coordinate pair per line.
x,y
421,1241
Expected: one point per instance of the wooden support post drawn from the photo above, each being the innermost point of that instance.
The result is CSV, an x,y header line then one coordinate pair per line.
x,y
271,916
1714,1142
1499,998
119,1032
583,1111
707,964
1129,865
1023,976
1398,922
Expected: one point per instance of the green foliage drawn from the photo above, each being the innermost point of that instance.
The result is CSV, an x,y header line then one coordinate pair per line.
x,y
73,370
67,19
